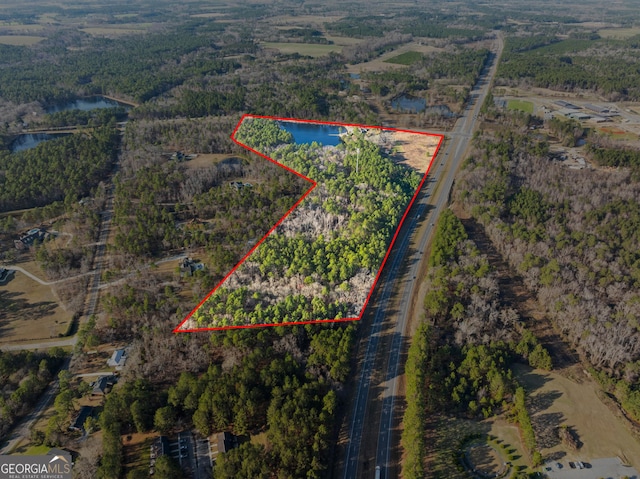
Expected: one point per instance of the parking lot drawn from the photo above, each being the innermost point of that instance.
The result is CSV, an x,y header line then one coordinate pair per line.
x,y
609,468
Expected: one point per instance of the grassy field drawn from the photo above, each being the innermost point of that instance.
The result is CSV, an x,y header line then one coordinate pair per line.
x,y
406,58
20,40
30,311
306,49
617,133
555,400
620,33
521,105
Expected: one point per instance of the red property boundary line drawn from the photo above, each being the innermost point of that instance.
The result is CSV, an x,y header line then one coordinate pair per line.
x,y
313,185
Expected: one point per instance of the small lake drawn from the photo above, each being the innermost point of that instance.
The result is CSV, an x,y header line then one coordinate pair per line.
x,y
86,104
29,140
326,135
440,110
408,103
355,76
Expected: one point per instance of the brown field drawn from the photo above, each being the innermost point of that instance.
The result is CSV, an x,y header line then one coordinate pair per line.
x,y
30,311
20,40
555,400
417,150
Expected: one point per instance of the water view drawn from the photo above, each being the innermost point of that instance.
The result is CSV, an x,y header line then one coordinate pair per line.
x,y
86,104
326,135
408,103
29,140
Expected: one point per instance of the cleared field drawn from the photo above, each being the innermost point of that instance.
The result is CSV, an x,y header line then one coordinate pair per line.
x,y
621,33
307,49
555,400
30,311
406,58
520,105
20,40
382,63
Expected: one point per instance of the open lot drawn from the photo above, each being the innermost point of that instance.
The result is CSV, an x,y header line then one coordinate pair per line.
x,y
555,400
30,311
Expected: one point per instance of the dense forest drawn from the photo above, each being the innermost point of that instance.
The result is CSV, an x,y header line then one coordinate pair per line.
x,y
328,245
54,170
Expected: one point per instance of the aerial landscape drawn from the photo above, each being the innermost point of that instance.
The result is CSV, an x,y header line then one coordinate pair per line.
x,y
437,204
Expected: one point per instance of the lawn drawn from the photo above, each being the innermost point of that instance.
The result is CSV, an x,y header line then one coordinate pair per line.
x,y
522,105
406,58
305,49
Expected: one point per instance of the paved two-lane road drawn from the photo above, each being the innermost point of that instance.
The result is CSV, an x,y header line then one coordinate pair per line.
x,y
435,194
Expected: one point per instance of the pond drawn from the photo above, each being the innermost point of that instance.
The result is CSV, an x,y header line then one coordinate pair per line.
x,y
29,140
326,135
86,104
408,103
440,110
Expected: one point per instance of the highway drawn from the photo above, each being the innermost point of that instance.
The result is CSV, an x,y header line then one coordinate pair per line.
x,y
395,285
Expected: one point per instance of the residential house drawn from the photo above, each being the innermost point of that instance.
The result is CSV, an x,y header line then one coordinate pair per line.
x,y
118,358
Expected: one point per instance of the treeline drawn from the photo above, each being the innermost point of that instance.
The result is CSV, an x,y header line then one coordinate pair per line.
x,y
24,376
53,170
460,357
574,242
93,118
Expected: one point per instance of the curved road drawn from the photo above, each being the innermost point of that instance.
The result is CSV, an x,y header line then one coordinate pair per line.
x,y
404,287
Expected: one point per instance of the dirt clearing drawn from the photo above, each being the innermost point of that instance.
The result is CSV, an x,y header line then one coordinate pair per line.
x,y
417,150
